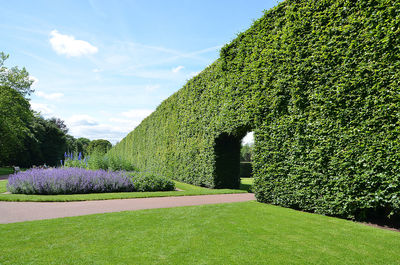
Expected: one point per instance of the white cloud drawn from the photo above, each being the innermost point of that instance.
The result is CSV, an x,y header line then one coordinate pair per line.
x,y
137,113
249,138
68,45
35,81
177,69
96,70
111,128
151,88
51,96
117,59
99,131
81,120
44,109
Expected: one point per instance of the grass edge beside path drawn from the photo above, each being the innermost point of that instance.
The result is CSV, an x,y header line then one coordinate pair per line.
x,y
187,190
233,233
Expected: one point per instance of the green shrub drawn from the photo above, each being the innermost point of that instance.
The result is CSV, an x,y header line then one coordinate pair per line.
x,y
246,169
100,146
318,83
143,181
98,160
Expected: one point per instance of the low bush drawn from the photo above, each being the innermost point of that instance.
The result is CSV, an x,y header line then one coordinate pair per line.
x,y
79,180
98,160
143,181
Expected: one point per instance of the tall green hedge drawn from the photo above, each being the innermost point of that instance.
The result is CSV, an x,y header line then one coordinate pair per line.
x,y
319,84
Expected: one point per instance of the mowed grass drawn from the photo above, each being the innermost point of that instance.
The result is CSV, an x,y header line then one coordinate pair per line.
x,y
3,186
235,233
187,190
246,184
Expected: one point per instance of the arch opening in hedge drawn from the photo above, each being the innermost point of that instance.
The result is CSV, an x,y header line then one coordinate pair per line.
x,y
319,82
227,158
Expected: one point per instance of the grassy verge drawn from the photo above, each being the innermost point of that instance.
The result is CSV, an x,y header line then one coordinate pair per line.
x,y
235,233
246,184
187,190
6,170
3,186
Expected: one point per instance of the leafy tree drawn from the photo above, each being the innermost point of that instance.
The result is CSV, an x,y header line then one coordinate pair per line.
x,y
26,138
45,144
82,145
15,78
99,146
71,143
246,153
60,124
15,116
52,140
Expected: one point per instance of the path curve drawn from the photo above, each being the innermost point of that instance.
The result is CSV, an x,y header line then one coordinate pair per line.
x,y
12,212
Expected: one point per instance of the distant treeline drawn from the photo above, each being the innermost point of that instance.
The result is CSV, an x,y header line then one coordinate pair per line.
x,y
27,138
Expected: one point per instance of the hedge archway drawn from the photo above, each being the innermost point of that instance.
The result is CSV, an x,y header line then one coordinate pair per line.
x,y
319,82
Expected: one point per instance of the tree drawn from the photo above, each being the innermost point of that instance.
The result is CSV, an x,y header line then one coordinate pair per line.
x,y
15,116
15,78
82,145
54,144
72,146
51,139
60,124
246,153
15,113
100,146
45,144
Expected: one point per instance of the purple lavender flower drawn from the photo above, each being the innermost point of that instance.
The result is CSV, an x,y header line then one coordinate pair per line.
x,y
68,181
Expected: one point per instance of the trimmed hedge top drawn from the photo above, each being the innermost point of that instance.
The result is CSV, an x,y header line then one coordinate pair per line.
x,y
318,83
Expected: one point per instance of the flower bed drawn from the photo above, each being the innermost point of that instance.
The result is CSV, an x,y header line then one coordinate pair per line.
x,y
78,180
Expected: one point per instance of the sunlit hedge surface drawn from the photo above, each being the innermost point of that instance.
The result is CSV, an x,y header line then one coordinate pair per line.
x,y
319,83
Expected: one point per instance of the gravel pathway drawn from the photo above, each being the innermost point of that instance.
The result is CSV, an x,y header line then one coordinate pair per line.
x,y
12,212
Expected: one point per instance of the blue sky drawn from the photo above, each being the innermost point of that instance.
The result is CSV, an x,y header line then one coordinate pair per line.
x,y
103,66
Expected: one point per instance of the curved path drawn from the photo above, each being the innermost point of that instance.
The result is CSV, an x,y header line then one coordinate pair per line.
x,y
12,212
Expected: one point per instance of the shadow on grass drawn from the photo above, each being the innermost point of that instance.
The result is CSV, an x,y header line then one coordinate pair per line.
x,y
246,184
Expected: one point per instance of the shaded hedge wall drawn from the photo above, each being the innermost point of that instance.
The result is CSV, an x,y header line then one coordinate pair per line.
x,y
246,170
318,83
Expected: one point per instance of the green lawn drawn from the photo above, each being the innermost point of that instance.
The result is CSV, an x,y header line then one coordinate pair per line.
x,y
187,191
3,186
246,184
6,170
235,233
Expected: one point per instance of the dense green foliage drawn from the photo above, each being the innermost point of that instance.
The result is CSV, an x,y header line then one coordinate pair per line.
x,y
44,143
318,83
246,153
15,78
246,169
6,170
100,146
15,115
98,160
143,181
26,138
81,146
232,233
